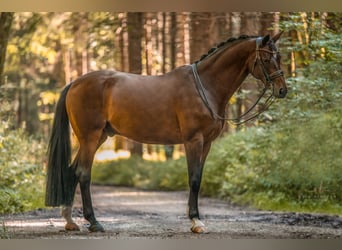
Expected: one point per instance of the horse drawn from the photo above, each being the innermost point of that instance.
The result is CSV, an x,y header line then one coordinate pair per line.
x,y
184,106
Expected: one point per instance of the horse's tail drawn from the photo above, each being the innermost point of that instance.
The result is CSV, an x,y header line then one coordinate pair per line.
x,y
61,178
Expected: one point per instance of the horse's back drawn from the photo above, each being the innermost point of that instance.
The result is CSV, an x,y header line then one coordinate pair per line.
x,y
130,82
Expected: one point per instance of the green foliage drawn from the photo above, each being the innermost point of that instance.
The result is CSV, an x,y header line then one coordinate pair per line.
x,y
316,85
134,172
317,38
44,53
288,166
21,172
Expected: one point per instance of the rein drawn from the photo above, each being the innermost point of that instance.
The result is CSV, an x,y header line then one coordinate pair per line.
x,y
269,80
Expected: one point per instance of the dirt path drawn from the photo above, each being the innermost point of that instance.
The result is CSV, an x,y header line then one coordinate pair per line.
x,y
129,213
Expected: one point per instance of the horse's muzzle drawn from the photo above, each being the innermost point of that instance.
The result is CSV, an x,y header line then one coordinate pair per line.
x,y
282,92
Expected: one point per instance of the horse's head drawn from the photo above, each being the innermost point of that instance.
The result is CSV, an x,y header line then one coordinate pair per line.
x,y
265,66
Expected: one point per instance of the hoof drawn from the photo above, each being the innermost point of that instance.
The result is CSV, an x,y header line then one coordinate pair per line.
x,y
96,227
71,227
198,227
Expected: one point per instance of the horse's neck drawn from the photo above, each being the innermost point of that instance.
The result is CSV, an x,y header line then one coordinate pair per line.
x,y
223,73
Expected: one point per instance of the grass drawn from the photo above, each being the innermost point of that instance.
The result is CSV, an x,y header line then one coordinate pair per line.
x,y
135,172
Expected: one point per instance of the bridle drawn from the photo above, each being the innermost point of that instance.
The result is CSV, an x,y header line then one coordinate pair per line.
x,y
268,81
268,77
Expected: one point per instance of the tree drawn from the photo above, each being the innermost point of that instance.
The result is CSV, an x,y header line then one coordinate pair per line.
x,y
6,19
135,34
79,29
6,112
25,68
200,34
269,23
316,57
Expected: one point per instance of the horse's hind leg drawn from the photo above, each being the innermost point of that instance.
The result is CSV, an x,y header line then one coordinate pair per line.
x,y
83,163
87,151
66,210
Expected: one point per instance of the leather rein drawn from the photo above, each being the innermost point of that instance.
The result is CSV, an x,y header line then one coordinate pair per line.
x,y
268,79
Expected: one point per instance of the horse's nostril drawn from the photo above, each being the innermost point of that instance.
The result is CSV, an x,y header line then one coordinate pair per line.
x,y
282,92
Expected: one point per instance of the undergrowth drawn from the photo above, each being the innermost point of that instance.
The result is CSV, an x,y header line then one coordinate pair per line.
x,y
291,167
21,173
134,172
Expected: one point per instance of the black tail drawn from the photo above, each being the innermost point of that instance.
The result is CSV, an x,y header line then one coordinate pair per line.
x,y
61,178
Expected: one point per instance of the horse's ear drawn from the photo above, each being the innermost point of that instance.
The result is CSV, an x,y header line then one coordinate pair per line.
x,y
265,40
277,36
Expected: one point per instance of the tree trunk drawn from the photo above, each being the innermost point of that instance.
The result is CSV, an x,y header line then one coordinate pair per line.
x,y
6,19
200,35
334,21
163,41
135,35
173,39
80,40
148,44
123,43
266,21
168,149
249,26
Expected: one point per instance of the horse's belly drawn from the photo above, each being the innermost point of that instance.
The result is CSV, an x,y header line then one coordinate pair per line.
x,y
145,127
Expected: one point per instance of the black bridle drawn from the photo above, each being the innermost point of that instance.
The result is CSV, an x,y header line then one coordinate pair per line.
x,y
268,81
268,77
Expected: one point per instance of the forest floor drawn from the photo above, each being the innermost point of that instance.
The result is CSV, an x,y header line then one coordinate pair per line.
x,y
128,213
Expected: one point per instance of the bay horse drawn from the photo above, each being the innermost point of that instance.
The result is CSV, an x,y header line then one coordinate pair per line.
x,y
185,106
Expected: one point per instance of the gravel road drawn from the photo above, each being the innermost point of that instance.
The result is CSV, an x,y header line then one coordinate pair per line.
x,y
128,213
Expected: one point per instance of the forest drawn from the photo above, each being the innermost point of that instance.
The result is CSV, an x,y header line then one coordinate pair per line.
x,y
288,158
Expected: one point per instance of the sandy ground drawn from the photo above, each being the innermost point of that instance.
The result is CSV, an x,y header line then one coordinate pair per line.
x,y
128,213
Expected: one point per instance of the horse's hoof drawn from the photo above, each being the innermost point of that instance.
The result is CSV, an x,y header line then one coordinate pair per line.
x,y
96,227
71,227
198,227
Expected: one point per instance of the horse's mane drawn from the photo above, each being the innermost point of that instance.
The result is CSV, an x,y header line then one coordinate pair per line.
x,y
230,41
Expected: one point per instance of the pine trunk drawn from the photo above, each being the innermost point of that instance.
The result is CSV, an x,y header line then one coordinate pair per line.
x,y
135,35
6,19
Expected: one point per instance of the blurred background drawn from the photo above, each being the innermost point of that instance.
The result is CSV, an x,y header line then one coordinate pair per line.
x,y
289,158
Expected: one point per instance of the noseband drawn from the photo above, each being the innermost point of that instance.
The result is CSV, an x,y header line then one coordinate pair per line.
x,y
268,79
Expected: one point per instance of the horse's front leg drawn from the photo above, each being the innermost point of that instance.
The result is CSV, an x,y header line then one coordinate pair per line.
x,y
196,153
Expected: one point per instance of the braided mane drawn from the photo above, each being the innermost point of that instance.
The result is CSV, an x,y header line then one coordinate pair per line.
x,y
222,44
